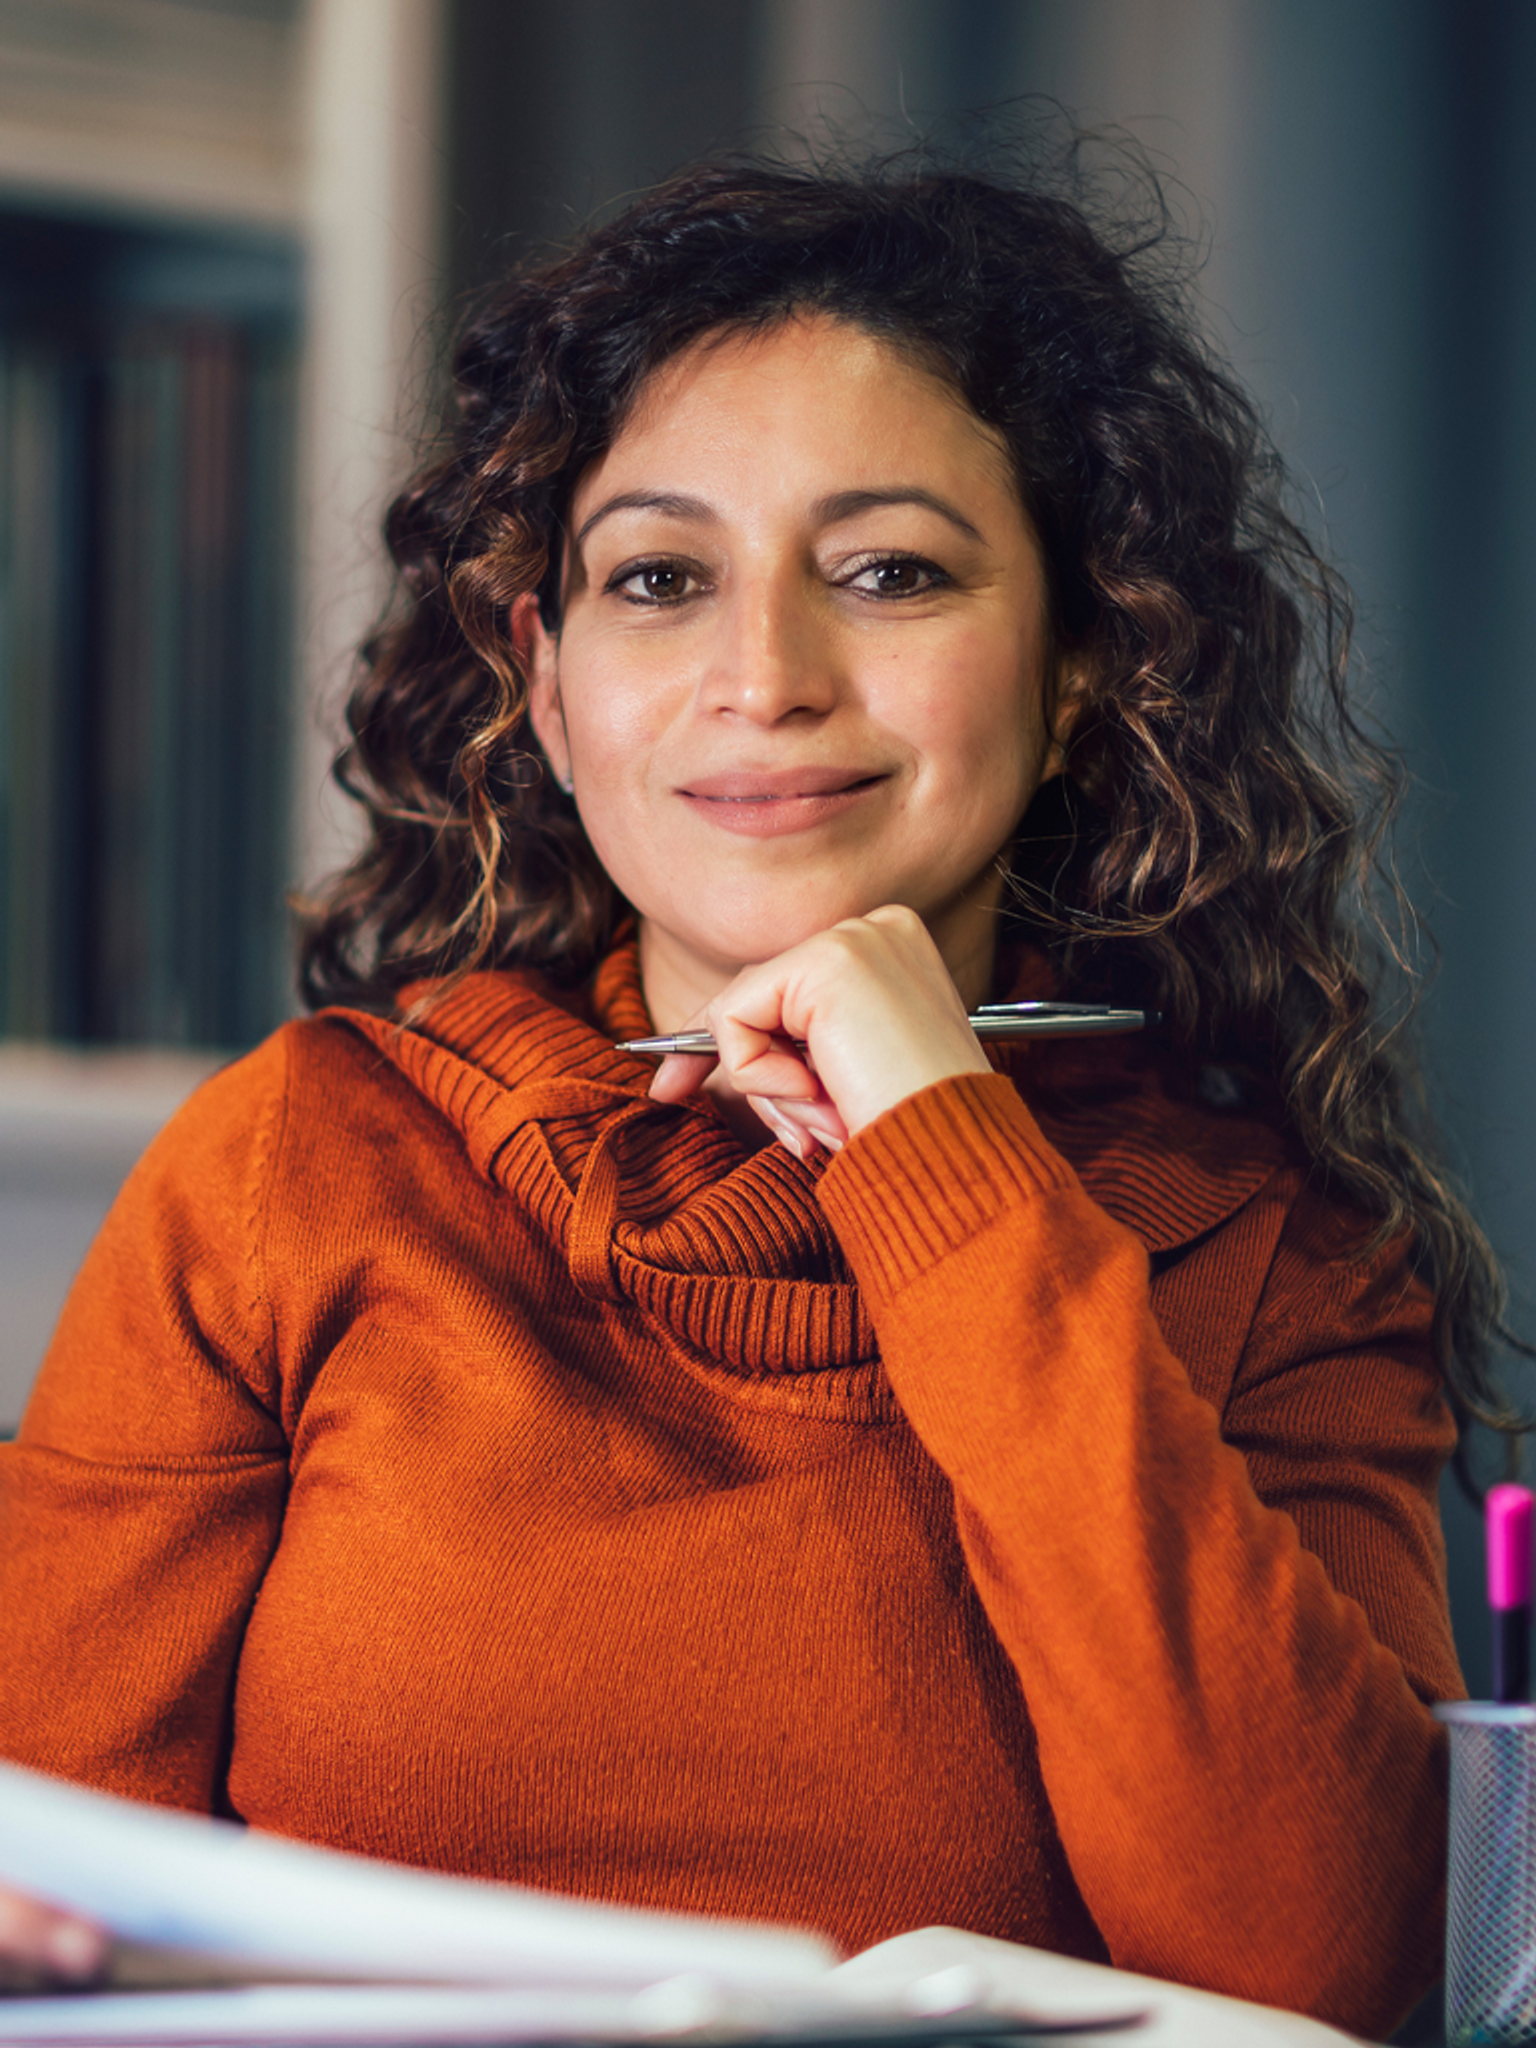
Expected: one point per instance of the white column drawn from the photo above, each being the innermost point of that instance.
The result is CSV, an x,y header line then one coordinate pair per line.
x,y
375,206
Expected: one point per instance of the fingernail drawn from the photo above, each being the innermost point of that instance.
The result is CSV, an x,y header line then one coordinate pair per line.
x,y
75,1950
788,1134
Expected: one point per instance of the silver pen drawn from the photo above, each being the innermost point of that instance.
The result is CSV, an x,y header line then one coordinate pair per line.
x,y
992,1020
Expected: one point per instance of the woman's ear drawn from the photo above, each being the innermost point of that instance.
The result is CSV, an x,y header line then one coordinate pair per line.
x,y
1065,700
537,653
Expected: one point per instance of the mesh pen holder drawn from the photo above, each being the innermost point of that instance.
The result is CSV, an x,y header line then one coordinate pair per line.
x,y
1490,1936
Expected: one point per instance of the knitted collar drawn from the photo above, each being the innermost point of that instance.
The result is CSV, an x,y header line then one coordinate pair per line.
x,y
725,1253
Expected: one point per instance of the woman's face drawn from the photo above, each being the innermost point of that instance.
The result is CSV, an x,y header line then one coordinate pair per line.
x,y
805,667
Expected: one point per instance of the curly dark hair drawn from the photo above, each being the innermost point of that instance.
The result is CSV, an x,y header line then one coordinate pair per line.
x,y
1215,845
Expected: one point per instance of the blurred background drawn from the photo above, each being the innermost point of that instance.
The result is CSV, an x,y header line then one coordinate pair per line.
x,y
231,233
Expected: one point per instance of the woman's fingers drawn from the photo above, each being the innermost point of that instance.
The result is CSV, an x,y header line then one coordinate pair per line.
x,y
40,1943
758,1063
802,1119
870,1005
802,1127
833,1032
762,1063
680,1075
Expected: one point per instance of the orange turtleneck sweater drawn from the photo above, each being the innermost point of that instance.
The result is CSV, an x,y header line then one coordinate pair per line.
x,y
450,1455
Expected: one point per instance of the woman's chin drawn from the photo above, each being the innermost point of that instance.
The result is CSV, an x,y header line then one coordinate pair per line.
x,y
742,937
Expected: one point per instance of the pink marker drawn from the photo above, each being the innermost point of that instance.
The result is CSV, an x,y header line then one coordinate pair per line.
x,y
1509,1590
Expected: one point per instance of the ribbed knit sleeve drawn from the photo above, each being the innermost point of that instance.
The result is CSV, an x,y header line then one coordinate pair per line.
x,y
1247,1783
144,1495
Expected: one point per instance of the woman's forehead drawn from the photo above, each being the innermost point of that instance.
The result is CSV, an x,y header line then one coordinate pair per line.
x,y
808,388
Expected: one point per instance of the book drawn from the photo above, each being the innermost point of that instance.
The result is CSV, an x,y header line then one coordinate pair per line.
x,y
147,526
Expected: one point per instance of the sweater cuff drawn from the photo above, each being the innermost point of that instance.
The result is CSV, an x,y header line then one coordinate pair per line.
x,y
929,1175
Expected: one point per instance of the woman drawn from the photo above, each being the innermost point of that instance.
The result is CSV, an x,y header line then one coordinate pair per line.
x,y
864,1480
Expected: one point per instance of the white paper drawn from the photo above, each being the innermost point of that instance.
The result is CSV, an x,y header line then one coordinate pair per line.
x,y
451,1959
1006,1976
312,2013
184,1881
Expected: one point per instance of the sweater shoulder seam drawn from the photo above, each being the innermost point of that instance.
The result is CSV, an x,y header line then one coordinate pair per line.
x,y
271,1130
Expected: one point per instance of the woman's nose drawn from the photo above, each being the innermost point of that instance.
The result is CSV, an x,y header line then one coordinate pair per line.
x,y
773,658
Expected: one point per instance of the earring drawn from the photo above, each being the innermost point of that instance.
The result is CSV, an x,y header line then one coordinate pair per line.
x,y
567,783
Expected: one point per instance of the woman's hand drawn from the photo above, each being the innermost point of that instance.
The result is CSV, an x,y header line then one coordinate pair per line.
x,y
828,1036
40,1946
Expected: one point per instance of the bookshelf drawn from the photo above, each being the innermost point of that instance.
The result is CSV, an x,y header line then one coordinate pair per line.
x,y
147,380
219,245
151,281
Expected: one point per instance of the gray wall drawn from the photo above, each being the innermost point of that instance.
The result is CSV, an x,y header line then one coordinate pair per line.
x,y
71,1126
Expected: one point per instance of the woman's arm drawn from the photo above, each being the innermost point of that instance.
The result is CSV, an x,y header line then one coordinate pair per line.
x,y
1247,1783
142,1500
1248,1787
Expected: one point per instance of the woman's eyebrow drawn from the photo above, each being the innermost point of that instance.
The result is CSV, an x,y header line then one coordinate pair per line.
x,y
849,504
671,502
828,511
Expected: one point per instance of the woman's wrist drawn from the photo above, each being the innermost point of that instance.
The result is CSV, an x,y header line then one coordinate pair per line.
x,y
937,1169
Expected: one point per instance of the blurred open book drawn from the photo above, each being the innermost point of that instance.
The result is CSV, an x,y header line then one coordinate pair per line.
x,y
229,1936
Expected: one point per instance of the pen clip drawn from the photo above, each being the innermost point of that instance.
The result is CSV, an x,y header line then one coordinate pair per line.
x,y
1041,1008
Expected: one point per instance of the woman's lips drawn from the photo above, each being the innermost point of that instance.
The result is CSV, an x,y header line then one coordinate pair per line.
x,y
778,800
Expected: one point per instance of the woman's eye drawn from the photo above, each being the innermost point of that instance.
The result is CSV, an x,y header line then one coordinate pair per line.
x,y
653,583
896,576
